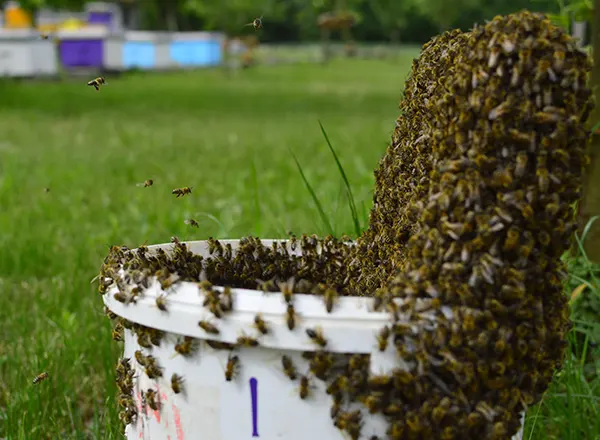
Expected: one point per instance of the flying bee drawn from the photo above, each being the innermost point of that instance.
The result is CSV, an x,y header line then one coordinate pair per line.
x,y
247,341
176,383
97,82
256,23
233,365
193,223
40,377
291,317
46,190
288,367
180,192
161,303
208,327
316,335
330,296
147,183
383,337
260,324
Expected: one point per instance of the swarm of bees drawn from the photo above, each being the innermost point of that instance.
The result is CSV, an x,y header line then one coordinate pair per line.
x,y
471,210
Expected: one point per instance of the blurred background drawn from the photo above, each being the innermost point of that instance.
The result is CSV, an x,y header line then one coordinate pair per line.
x,y
293,30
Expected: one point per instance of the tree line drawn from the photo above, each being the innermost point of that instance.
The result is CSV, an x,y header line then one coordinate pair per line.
x,y
408,21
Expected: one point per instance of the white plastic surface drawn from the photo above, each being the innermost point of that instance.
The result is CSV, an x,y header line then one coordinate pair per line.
x,y
261,401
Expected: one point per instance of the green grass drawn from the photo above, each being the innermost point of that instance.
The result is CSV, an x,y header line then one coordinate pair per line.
x,y
227,136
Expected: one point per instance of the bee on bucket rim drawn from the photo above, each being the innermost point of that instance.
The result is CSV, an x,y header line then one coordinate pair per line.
x,y
97,82
180,192
40,377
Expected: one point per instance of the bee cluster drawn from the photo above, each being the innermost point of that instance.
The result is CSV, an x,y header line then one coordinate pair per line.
x,y
472,210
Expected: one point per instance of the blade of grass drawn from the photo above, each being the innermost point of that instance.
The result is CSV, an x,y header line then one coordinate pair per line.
x,y
324,218
346,182
584,234
257,211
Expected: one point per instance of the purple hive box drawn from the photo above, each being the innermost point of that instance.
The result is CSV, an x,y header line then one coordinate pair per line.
x,y
82,47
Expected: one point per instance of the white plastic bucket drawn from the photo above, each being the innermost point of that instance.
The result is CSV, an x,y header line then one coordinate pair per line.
x,y
261,401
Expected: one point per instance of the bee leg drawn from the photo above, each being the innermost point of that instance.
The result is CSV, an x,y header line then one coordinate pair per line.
x,y
97,88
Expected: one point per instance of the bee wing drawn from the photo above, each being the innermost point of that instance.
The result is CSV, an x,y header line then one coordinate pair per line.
x,y
139,184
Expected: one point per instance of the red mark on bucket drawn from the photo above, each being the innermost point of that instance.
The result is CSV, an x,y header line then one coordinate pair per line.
x,y
254,397
177,417
165,399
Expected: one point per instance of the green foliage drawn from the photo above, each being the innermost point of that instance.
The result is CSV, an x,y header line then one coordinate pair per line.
x,y
230,16
392,14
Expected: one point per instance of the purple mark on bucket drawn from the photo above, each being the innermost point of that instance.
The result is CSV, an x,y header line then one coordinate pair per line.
x,y
254,395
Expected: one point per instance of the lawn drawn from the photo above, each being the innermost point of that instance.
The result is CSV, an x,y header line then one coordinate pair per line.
x,y
227,136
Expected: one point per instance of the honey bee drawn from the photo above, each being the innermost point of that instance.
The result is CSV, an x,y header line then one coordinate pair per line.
x,y
227,299
147,183
260,324
46,190
304,390
180,192
288,367
351,422
247,341
291,317
193,223
140,358
208,327
117,333
330,295
287,289
40,377
97,82
151,398
185,347
161,303
217,345
383,338
121,297
233,364
176,383
316,335
256,23
153,370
